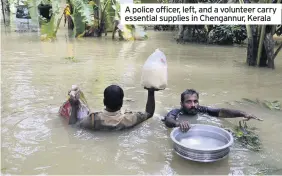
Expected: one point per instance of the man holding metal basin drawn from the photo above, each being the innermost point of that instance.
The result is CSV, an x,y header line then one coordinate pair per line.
x,y
190,106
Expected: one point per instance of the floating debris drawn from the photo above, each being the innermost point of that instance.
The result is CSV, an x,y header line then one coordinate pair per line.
x,y
274,105
246,136
71,59
129,100
249,100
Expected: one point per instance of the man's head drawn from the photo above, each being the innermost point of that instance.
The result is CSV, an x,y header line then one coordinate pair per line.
x,y
190,101
113,97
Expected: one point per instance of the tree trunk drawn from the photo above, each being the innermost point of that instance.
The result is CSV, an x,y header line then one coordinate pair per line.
x,y
252,47
266,54
3,11
263,57
267,43
180,33
269,49
262,60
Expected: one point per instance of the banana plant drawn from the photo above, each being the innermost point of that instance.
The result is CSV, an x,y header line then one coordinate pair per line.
x,y
105,21
83,15
48,29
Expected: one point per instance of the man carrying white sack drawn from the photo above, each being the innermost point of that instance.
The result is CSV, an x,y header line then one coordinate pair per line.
x,y
111,118
154,78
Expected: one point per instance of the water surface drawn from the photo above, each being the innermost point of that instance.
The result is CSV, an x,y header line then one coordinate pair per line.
x,y
36,77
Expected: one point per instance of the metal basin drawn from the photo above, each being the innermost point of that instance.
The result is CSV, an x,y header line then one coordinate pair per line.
x,y
202,143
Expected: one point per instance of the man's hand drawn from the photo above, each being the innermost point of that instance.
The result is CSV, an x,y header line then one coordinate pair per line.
x,y
247,117
74,98
74,94
74,102
184,126
151,89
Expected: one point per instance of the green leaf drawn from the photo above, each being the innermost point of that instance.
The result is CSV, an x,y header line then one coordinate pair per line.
x,y
239,134
72,59
48,29
82,16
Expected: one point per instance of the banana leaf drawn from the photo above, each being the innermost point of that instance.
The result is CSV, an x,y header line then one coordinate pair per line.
x,y
33,10
127,33
79,24
48,30
111,13
82,16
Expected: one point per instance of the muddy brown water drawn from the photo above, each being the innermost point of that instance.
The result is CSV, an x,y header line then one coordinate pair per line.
x,y
36,77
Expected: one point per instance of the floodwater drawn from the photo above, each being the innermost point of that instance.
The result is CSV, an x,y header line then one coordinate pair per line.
x,y
36,78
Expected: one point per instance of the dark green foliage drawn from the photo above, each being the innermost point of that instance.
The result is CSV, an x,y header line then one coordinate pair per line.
x,y
221,35
239,33
227,34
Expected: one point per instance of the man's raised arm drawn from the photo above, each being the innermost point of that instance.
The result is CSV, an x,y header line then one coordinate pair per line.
x,y
74,111
150,105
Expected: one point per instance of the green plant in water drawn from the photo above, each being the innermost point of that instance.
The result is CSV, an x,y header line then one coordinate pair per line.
x,y
275,105
247,137
109,10
72,59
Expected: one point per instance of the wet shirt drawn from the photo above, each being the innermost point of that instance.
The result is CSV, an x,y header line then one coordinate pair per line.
x,y
201,109
113,120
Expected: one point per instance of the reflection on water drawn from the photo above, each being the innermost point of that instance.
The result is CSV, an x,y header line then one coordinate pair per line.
x,y
202,143
36,77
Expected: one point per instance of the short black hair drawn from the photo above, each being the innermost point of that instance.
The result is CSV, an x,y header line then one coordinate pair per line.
x,y
113,97
188,92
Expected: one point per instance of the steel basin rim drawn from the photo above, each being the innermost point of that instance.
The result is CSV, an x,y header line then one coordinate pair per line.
x,y
203,153
200,151
202,161
200,155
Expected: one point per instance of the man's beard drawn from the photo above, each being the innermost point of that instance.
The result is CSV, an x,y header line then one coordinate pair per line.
x,y
191,111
